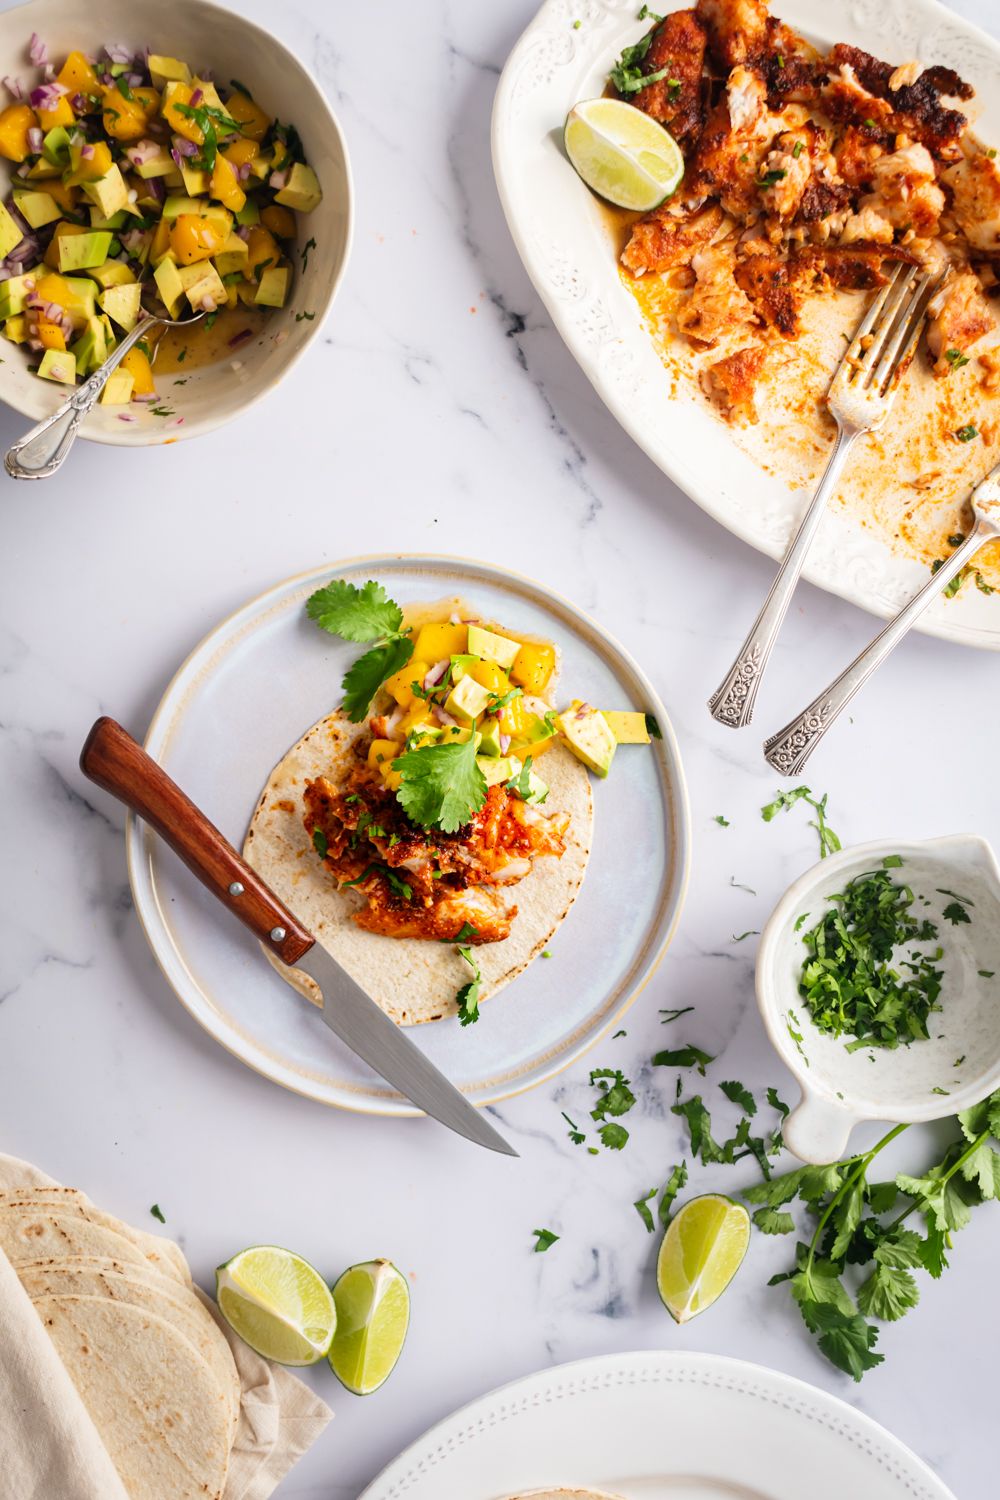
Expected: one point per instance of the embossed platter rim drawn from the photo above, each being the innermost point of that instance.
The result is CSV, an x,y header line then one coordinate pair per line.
x,y
561,236
646,1425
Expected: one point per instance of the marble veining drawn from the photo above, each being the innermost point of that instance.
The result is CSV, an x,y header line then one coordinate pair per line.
x,y
440,411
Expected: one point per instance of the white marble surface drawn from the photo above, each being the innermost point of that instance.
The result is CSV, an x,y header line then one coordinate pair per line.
x,y
441,412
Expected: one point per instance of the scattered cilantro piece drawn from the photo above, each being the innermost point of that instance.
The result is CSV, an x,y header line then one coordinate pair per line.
x,y
468,996
642,1208
683,1057
646,14
615,1099
829,843
652,728
967,433
955,913
320,843
737,1093
520,783
627,75
666,1016
674,1183
956,358
310,244
722,822
576,1135
544,1240
737,887
750,932
157,1213
307,317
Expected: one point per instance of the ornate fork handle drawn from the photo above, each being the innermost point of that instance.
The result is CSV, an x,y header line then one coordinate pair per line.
x,y
732,702
43,450
789,749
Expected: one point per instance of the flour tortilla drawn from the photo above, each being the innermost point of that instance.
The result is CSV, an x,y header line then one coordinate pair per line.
x,y
28,1234
163,1254
152,1397
150,1292
412,980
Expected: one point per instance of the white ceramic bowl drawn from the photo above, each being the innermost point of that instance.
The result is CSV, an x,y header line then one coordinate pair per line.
x,y
207,36
841,1088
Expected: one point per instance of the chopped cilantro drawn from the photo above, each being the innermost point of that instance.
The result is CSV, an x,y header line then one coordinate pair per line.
x,y
722,822
468,996
157,1213
544,1240
967,433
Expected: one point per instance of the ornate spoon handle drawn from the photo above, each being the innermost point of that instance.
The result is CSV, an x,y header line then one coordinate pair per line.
x,y
44,449
732,702
789,749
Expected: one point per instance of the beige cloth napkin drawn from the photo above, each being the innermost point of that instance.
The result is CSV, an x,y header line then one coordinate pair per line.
x,y
49,1447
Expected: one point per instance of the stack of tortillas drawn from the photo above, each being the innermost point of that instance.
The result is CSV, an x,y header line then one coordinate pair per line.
x,y
158,1377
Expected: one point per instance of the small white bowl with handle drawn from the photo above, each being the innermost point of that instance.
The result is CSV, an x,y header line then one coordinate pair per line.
x,y
959,1063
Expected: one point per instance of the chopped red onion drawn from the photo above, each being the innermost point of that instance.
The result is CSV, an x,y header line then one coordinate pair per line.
x,y
146,397
241,337
14,86
118,52
142,152
176,156
49,73
243,171
208,304
134,80
37,50
504,743
127,416
197,97
243,231
87,151
47,95
156,189
444,718
208,76
178,422
277,180
36,138
78,102
436,673
184,146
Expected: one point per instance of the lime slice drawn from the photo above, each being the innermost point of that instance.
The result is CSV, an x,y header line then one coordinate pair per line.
x,y
373,1314
278,1304
702,1250
622,153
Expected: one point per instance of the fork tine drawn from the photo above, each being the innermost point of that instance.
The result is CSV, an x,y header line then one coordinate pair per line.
x,y
868,321
888,321
899,349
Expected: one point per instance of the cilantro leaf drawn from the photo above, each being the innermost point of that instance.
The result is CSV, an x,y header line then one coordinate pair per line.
x,y
157,1213
846,1218
955,913
575,1134
738,1094
846,1339
355,614
683,1057
674,1183
829,843
468,996
442,786
544,1240
364,677
613,1135
699,1123
320,843
888,1293
773,1221
642,1208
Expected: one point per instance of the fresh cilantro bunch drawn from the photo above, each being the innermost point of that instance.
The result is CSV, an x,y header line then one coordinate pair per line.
x,y
852,982
363,614
857,1268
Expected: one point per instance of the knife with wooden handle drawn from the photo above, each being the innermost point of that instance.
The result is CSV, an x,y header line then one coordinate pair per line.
x,y
114,761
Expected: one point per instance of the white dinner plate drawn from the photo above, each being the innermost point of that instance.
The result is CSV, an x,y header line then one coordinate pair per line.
x,y
659,1426
248,692
561,235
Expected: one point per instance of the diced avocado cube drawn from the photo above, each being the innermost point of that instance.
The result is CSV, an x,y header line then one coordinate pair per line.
x,y
490,738
627,727
10,235
196,182
272,289
202,285
115,222
78,251
164,70
489,646
460,666
55,147
118,388
262,165
495,772
112,273
16,329
121,303
232,257
38,208
467,700
41,169
302,190
109,192
160,165
58,364
248,214
175,204
169,285
14,293
588,735
91,348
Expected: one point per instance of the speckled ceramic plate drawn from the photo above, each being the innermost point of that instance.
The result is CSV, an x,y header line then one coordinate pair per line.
x,y
562,237
252,687
659,1426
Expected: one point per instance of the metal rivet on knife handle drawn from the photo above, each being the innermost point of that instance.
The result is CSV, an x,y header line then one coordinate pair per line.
x,y
278,934
236,889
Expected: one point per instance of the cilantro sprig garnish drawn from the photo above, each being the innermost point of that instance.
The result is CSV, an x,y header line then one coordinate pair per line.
x,y
442,786
468,995
627,75
363,614
852,981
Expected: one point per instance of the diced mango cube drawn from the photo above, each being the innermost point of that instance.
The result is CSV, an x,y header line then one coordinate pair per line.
x,y
436,641
61,113
224,185
251,119
136,362
15,122
78,77
533,666
493,678
400,684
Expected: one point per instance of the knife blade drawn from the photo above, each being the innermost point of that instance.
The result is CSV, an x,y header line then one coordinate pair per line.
x,y
114,761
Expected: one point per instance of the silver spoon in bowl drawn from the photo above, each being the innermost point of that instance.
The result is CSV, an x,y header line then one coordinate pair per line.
x,y
43,450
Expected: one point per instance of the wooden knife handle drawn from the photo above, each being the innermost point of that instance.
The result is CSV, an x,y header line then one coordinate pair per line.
x,y
113,759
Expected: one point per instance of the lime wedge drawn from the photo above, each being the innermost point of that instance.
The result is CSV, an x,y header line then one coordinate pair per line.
x,y
373,1314
702,1250
622,154
278,1304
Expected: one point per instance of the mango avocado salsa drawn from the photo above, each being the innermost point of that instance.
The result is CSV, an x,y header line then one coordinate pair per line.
x,y
139,181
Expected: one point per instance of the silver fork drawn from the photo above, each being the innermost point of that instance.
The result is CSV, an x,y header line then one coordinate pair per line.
x,y
791,747
860,397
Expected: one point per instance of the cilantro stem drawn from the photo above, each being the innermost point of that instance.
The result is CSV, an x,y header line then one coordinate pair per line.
x,y
864,1162
956,1166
